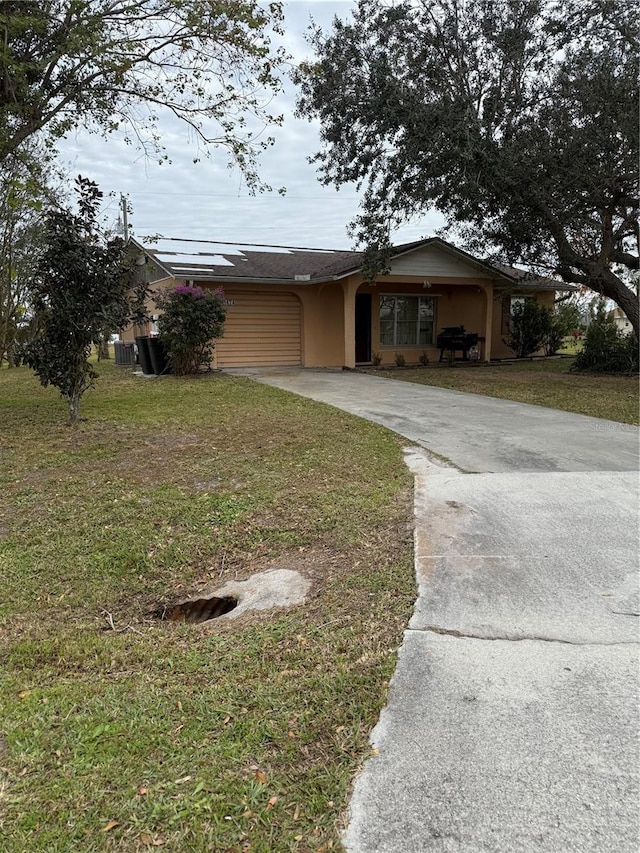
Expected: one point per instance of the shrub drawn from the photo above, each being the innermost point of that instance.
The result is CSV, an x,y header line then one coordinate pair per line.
x,y
530,324
424,359
606,349
401,361
564,320
192,319
376,359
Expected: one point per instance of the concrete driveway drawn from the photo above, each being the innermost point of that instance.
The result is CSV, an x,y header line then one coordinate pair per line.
x,y
476,433
512,721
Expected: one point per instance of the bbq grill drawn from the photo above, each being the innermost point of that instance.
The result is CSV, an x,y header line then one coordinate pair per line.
x,y
453,339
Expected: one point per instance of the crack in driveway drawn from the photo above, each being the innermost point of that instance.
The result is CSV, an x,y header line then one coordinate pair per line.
x,y
516,638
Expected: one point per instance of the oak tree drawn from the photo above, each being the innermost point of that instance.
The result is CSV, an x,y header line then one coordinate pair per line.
x,y
516,119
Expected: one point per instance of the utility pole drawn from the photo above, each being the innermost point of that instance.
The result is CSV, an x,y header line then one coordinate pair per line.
x,y
125,221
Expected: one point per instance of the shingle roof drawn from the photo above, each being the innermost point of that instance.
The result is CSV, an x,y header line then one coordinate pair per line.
x,y
527,281
207,260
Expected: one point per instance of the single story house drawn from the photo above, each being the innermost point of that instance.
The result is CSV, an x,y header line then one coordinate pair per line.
x,y
314,307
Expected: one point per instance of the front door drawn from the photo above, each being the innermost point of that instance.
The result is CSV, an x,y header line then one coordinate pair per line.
x,y
363,327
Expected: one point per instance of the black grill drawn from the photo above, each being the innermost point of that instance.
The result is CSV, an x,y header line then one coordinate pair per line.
x,y
454,338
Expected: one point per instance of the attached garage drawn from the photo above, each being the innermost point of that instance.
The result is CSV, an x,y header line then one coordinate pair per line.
x,y
295,307
261,330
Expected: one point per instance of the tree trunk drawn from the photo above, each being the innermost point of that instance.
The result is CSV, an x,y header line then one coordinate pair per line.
x,y
608,284
103,348
596,274
74,408
626,299
601,279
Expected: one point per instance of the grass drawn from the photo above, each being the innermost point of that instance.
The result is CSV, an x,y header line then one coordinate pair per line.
x,y
547,382
122,733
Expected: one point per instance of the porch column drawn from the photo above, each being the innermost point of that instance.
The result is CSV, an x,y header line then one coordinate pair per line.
x,y
488,321
349,292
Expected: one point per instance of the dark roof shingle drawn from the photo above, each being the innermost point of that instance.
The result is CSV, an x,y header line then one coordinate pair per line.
x,y
207,260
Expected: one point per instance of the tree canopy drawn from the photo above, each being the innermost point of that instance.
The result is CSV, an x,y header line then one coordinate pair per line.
x,y
118,64
24,191
516,119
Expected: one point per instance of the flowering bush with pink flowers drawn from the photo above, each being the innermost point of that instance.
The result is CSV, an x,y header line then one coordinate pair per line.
x,y
191,321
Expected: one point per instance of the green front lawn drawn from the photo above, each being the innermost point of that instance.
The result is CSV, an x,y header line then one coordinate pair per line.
x,y
121,732
547,382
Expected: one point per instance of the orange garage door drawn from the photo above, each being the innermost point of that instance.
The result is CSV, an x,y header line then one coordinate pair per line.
x,y
261,330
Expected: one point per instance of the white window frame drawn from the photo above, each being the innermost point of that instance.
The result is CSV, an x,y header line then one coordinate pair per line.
x,y
418,296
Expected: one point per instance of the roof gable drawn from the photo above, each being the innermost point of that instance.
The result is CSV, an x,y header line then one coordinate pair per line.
x,y
436,258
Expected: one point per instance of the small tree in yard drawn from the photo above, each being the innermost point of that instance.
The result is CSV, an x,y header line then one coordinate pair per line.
x,y
564,320
529,326
81,286
193,318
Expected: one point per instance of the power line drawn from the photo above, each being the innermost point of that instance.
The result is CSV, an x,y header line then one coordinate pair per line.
x,y
235,243
265,196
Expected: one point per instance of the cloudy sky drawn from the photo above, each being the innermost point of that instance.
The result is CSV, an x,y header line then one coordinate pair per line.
x,y
206,201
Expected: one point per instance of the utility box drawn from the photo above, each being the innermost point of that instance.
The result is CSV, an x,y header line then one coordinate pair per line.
x,y
125,352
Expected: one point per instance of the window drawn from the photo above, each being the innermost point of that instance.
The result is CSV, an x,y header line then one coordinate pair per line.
x,y
407,321
508,304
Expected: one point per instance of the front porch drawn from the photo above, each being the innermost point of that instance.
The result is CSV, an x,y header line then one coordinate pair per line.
x,y
399,322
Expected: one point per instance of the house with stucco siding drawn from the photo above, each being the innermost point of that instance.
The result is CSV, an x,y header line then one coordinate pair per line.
x,y
315,307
